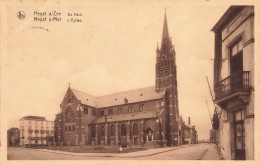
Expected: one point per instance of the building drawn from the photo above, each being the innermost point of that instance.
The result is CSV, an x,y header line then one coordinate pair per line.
x,y
234,82
147,117
13,137
34,129
190,135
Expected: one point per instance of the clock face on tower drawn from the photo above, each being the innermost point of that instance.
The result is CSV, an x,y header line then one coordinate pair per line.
x,y
70,116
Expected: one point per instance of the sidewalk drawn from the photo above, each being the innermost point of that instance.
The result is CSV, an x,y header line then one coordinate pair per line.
x,y
212,153
143,153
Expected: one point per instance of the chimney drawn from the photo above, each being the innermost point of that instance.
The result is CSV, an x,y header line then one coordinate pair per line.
x,y
189,120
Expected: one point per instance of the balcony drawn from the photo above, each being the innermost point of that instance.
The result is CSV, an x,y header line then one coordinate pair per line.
x,y
236,84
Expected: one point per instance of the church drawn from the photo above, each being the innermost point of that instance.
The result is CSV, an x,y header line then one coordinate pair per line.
x,y
146,117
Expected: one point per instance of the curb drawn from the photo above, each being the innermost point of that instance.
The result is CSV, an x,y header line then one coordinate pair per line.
x,y
105,155
205,154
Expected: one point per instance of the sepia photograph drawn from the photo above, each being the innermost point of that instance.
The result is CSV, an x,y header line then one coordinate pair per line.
x,y
150,80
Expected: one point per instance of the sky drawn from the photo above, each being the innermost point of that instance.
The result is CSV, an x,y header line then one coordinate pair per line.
x,y
112,50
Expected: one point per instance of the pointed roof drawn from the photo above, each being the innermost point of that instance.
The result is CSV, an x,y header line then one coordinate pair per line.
x,y
165,32
84,98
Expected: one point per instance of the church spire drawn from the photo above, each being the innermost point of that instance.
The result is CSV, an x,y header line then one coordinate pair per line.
x,y
165,32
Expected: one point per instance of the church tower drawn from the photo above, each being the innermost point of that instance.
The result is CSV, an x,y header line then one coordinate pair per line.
x,y
166,80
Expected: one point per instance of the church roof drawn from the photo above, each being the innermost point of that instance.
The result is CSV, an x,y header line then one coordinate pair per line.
x,y
84,98
131,96
126,116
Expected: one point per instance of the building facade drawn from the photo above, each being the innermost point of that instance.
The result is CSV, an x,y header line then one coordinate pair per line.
x,y
190,135
234,82
147,117
34,129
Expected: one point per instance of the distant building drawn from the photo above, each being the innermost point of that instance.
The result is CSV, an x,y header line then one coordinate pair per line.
x,y
234,82
13,137
146,117
190,134
34,129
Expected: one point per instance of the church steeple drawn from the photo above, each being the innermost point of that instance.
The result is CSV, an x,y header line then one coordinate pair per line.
x,y
165,33
166,80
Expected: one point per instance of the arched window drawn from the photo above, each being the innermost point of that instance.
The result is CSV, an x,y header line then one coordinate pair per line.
x,y
135,129
129,108
141,107
112,130
93,131
123,130
102,131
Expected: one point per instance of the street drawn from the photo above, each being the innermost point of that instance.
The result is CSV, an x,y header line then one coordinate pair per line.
x,y
185,152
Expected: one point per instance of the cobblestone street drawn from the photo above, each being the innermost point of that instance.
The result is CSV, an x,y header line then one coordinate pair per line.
x,y
186,152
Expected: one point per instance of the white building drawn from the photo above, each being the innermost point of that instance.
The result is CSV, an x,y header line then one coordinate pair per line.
x,y
34,130
234,82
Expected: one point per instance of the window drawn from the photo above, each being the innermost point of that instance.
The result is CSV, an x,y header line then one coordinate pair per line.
x,y
110,111
236,48
123,130
236,59
135,129
166,67
102,112
73,128
85,110
66,129
141,107
69,129
97,112
102,131
119,110
93,131
130,109
112,130
162,69
93,112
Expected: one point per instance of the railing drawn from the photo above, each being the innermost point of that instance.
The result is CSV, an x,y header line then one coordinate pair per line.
x,y
238,81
